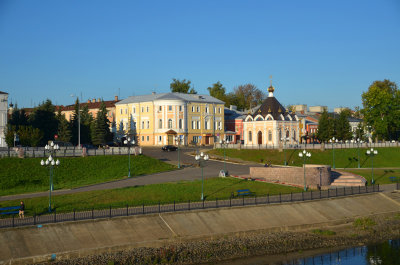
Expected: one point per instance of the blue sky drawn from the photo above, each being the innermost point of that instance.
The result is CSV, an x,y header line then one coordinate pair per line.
x,y
318,52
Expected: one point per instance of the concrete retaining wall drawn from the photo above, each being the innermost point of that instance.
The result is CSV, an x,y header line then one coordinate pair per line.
x,y
316,175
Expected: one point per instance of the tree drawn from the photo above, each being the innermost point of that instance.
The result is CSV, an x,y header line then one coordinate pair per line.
x,y
382,109
182,86
75,123
325,127
64,129
217,90
44,119
86,120
101,127
246,96
342,126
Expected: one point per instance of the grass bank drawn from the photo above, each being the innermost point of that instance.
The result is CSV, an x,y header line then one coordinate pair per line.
x,y
381,176
151,194
344,158
27,175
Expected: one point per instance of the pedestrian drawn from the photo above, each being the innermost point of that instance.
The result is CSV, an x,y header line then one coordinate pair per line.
x,y
22,210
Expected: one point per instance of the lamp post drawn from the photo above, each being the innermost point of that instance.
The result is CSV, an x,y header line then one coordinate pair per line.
x,y
224,143
333,141
358,142
51,162
201,159
285,139
129,143
371,153
79,120
178,140
305,155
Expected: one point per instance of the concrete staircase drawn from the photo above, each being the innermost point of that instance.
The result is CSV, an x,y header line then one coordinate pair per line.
x,y
345,179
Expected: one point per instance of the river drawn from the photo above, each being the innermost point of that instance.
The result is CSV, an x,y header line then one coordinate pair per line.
x,y
387,253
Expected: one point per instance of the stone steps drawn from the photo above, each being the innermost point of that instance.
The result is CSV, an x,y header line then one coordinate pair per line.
x,y
348,181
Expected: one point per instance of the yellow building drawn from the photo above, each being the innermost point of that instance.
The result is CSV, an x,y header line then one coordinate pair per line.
x,y
157,119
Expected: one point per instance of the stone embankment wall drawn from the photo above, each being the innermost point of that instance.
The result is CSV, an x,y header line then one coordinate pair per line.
x,y
316,175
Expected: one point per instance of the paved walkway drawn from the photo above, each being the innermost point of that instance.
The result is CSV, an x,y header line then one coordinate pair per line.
x,y
189,171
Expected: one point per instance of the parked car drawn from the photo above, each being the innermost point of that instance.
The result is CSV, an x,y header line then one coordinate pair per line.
x,y
169,148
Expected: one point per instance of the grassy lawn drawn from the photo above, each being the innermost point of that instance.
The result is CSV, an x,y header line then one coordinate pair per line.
x,y
151,194
381,176
344,158
27,175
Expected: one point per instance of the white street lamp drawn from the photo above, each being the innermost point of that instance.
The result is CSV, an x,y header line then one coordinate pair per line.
x,y
201,160
305,155
129,143
51,162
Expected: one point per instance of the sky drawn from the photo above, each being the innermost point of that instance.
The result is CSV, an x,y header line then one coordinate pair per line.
x,y
317,52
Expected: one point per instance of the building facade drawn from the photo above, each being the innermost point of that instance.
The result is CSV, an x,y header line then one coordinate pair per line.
x,y
271,125
157,119
3,118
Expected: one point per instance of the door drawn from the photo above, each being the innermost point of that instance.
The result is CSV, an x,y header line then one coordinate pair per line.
x,y
170,139
259,137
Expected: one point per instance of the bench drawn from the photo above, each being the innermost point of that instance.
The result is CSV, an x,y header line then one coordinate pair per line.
x,y
394,179
9,210
244,192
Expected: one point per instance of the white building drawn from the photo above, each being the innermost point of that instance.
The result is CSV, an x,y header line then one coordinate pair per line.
x,y
3,117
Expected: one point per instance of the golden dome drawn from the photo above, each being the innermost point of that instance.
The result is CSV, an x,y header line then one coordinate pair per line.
x,y
271,89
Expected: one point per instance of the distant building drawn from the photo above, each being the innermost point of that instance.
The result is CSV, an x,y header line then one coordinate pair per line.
x,y
3,118
338,110
271,124
318,109
234,124
300,108
157,119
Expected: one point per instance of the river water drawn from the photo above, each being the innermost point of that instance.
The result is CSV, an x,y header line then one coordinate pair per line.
x,y
387,253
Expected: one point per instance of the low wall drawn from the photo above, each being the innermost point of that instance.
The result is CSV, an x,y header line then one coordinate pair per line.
x,y
316,175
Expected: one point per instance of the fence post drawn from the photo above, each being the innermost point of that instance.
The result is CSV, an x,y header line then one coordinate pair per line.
x,y
267,198
110,211
280,197
34,218
159,207
74,214
143,209
255,199
55,215
302,195
189,204
13,223
92,210
243,200
127,211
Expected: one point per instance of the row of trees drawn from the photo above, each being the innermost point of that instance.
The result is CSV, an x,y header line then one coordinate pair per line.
x,y
45,122
338,126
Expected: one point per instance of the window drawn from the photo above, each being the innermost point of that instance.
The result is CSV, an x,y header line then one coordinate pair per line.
x,y
148,124
148,138
207,109
147,109
269,135
160,123
220,126
229,138
215,109
160,108
169,108
250,136
198,125
169,124
193,124
180,123
198,109
134,110
294,134
120,110
142,109
219,110
192,108
142,124
280,134
195,139
143,138
180,108
160,139
205,125
216,125
126,111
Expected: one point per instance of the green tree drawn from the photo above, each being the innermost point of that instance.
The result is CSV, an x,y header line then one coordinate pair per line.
x,y
64,129
246,96
325,127
44,119
29,136
182,86
382,109
101,127
217,90
75,123
86,120
18,118
342,126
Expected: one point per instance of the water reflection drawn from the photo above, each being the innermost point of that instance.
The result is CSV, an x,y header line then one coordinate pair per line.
x,y
387,253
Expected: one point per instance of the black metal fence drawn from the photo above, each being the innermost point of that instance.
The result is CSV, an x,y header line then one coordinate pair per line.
x,y
111,212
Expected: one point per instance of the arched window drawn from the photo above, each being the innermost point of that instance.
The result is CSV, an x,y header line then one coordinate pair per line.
x,y
294,135
160,123
142,124
169,124
269,136
250,137
148,124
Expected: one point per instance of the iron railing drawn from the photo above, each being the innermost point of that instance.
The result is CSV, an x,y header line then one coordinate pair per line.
x,y
110,212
